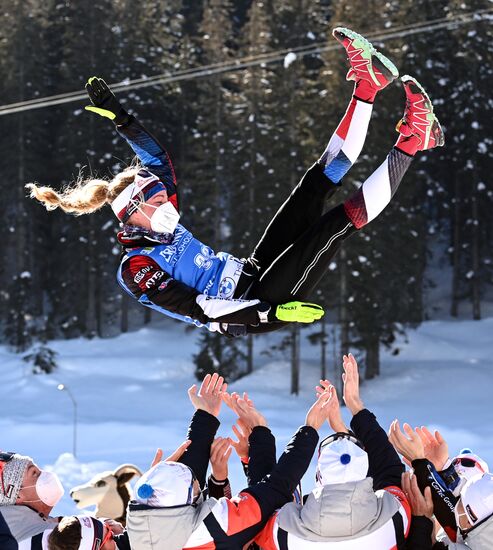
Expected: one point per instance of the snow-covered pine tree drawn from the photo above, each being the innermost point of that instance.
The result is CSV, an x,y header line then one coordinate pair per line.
x,y
468,109
24,76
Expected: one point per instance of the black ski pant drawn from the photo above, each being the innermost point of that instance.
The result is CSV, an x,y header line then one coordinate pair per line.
x,y
296,248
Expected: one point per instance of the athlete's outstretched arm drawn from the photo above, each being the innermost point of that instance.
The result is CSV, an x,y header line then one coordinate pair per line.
x,y
150,152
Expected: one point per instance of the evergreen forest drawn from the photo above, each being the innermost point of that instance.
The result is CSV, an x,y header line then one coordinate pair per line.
x,y
245,95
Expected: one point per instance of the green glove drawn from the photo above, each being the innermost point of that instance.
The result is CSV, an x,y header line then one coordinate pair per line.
x,y
299,312
104,102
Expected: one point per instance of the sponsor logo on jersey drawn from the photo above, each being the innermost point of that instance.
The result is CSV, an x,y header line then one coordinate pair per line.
x,y
179,232
226,287
86,521
239,269
185,242
164,284
168,253
182,238
208,286
140,274
152,280
147,250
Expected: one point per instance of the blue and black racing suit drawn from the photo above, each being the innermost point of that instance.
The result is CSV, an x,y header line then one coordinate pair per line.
x,y
185,279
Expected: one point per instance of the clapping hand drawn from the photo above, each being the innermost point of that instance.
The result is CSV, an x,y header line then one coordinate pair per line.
x,y
350,378
221,450
335,419
210,396
435,447
320,410
421,505
245,409
242,432
409,445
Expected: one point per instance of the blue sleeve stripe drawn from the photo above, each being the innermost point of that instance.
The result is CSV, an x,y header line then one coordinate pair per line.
x,y
150,153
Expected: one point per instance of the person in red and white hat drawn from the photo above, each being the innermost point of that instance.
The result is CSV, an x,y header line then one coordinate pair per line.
x,y
85,533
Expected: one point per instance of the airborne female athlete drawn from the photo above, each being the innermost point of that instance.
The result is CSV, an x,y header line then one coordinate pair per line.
x,y
166,268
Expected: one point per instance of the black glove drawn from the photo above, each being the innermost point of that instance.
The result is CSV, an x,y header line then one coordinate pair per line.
x,y
104,101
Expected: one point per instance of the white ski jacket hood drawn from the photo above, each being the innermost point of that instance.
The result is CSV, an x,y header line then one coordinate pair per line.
x,y
158,528
340,512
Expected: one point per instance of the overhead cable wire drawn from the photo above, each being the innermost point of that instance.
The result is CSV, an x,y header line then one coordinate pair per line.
x,y
249,61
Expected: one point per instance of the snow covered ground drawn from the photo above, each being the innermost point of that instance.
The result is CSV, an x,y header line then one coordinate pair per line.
x,y
131,396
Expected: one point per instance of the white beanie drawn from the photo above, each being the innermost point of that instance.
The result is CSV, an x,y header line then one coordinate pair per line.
x,y
341,461
477,498
13,476
166,484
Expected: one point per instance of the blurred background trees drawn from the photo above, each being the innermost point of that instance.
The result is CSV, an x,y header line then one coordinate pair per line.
x,y
241,139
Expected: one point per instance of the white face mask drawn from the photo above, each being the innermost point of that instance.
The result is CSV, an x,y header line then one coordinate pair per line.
x,y
164,219
49,489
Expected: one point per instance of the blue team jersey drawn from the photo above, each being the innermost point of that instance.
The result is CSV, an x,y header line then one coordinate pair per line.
x,y
195,264
185,259
189,261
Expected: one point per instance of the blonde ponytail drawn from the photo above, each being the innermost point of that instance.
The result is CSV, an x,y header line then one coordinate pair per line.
x,y
85,195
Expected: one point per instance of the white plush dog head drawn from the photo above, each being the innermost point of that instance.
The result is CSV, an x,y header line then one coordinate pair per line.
x,y
108,491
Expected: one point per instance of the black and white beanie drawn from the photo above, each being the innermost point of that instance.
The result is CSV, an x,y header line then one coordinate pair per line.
x,y
13,476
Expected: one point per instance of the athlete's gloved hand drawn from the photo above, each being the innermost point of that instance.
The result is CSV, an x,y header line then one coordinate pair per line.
x,y
299,312
104,102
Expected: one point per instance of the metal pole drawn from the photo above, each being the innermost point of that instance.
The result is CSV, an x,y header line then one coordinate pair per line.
x,y
63,387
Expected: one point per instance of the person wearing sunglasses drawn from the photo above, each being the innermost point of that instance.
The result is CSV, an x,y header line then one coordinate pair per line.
x,y
458,470
27,497
357,502
167,269
447,486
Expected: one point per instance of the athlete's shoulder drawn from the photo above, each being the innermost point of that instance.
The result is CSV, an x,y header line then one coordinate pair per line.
x,y
141,273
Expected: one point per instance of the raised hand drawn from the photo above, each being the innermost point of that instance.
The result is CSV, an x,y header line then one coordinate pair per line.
x,y
409,445
249,416
350,377
421,505
319,411
335,419
104,102
210,396
230,399
221,450
435,447
242,432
